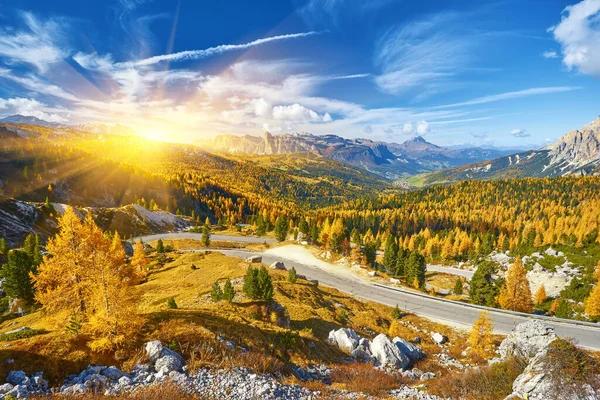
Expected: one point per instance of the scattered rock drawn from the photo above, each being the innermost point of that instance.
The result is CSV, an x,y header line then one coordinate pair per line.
x,y
413,352
527,339
439,338
344,339
254,259
387,353
278,265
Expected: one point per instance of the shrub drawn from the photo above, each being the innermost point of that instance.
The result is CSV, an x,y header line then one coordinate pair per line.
x,y
216,294
571,369
493,382
255,313
364,378
292,275
27,333
228,291
396,313
171,303
341,316
564,309
458,287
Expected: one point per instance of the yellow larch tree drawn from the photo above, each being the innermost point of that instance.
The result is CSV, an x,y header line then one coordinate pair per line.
x,y
592,304
515,294
540,295
480,339
139,263
62,280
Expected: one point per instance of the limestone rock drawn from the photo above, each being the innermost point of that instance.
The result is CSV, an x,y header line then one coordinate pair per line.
x,y
439,338
387,353
414,353
527,339
344,339
278,265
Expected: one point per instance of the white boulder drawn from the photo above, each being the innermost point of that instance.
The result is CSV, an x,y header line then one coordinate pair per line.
x,y
387,353
344,339
277,265
415,353
527,339
439,338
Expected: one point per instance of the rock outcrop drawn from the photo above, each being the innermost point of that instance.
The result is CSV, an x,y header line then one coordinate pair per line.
x,y
382,351
527,340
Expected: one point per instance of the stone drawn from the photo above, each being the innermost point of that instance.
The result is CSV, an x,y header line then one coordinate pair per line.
x,y
387,353
527,339
254,259
344,339
395,281
362,352
113,373
168,363
16,377
410,350
439,338
125,381
7,387
278,265
372,273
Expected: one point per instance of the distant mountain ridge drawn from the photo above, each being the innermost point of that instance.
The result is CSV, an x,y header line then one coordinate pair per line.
x,y
392,160
577,152
92,127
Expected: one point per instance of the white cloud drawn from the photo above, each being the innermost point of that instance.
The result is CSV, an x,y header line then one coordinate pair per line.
x,y
37,46
520,133
579,36
423,128
211,51
550,54
353,76
28,108
36,84
327,12
512,95
408,129
423,54
298,113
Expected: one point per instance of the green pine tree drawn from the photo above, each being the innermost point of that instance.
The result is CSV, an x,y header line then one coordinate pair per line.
x,y
390,254
171,303
483,289
396,313
17,271
281,228
250,287
292,275
370,251
228,291
216,294
458,287
415,269
206,235
264,284
160,247
3,246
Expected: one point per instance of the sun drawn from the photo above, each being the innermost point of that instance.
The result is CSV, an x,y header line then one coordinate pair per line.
x,y
154,135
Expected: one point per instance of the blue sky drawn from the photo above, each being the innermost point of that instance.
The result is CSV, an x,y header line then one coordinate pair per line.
x,y
489,73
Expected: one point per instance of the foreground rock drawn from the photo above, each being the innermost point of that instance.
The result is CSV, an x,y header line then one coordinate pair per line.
x,y
531,341
382,351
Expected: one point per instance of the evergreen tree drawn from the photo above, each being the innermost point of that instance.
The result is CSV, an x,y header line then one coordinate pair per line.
x,y
160,247
303,226
292,275
370,251
171,303
564,309
228,291
250,287
458,287
400,263
480,339
515,294
3,246
264,284
216,294
281,228
32,248
206,235
415,269
396,313
390,254
483,289
17,272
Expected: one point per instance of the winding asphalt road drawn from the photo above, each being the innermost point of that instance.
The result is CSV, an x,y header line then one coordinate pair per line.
x,y
434,308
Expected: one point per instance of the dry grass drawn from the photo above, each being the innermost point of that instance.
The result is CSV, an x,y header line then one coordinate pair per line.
x,y
441,280
363,378
492,382
192,328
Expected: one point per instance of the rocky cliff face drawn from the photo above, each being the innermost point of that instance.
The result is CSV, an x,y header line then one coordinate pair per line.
x,y
577,148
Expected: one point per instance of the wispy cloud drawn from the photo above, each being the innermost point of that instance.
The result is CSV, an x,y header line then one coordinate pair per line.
x,y
423,54
331,12
512,95
353,76
211,51
550,54
520,133
28,107
39,45
579,35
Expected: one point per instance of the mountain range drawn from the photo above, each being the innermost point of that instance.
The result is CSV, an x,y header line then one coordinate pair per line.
x,y
92,127
577,152
391,160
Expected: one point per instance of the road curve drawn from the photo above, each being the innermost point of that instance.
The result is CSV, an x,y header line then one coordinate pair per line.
x,y
433,308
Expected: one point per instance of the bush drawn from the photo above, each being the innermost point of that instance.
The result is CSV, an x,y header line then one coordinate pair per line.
x,y
171,303
571,369
364,378
228,291
396,313
216,294
493,382
27,333
292,275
